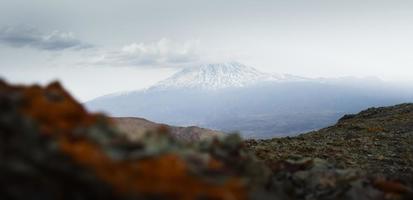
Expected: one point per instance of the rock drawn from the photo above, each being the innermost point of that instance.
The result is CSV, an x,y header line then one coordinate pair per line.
x,y
52,148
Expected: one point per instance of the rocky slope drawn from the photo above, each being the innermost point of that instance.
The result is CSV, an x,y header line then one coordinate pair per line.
x,y
52,148
135,128
377,140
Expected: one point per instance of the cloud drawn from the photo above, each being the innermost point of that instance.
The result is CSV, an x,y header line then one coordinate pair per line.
x,y
163,53
27,36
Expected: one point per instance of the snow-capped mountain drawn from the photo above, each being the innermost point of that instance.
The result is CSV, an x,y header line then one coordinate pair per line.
x,y
234,97
218,76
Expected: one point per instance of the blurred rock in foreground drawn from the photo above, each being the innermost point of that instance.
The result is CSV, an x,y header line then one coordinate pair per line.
x,y
134,128
51,148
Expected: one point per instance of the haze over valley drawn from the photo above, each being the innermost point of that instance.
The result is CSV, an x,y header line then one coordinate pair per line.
x,y
232,97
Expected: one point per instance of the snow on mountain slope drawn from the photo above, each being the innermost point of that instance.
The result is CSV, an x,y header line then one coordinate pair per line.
x,y
216,76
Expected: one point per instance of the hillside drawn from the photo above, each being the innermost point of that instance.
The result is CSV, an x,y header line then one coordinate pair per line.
x,y
376,140
135,128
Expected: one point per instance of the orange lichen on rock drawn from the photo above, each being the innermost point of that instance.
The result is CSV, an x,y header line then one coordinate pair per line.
x,y
54,109
215,164
57,115
390,186
166,175
51,107
375,129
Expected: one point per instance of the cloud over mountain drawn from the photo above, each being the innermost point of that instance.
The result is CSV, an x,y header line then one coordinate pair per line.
x,y
28,36
164,53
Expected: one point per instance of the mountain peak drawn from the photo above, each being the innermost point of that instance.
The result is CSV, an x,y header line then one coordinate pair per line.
x,y
214,76
225,67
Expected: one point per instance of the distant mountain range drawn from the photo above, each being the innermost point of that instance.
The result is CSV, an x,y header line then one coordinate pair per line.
x,y
234,97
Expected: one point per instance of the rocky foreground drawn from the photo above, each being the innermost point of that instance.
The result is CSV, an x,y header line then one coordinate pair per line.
x,y
52,148
378,140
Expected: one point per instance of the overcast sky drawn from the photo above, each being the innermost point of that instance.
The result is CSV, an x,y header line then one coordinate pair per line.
x,y
97,47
